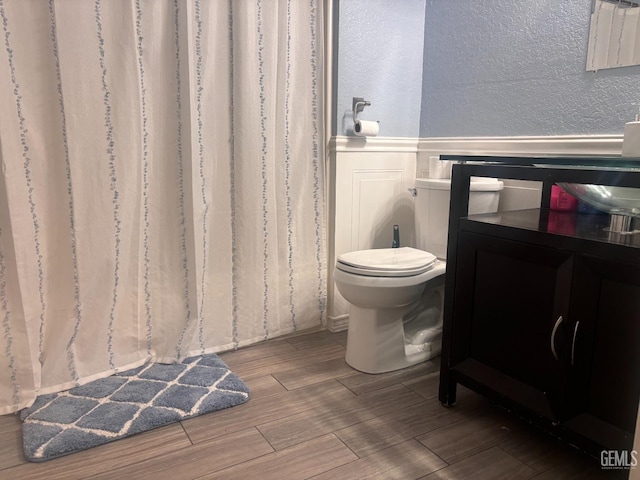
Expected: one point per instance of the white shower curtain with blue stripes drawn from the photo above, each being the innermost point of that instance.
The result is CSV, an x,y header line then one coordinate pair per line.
x,y
162,187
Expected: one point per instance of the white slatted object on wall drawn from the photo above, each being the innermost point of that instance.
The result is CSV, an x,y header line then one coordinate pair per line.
x,y
614,36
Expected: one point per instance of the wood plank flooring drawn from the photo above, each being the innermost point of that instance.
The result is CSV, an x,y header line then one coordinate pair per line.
x,y
311,416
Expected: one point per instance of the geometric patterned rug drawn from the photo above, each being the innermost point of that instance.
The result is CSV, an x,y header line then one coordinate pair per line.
x,y
127,403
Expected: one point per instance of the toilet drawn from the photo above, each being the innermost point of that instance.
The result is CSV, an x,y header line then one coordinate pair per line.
x,y
397,294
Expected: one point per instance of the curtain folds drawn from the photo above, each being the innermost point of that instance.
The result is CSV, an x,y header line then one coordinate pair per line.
x,y
162,189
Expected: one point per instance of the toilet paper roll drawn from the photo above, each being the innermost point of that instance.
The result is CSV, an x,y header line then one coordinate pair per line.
x,y
366,128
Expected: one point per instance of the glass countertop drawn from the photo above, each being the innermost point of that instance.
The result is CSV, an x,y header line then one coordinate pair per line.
x,y
575,162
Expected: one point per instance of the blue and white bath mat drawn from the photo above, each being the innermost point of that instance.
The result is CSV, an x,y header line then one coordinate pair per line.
x,y
127,403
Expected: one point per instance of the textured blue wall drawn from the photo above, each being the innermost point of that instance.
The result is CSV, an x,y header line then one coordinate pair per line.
x,y
380,58
499,67
476,68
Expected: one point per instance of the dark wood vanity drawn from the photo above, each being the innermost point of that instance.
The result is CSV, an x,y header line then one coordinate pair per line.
x,y
542,307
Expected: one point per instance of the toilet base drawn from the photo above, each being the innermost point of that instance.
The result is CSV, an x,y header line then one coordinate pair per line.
x,y
376,344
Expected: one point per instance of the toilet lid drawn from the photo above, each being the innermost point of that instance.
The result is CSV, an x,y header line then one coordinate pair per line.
x,y
387,262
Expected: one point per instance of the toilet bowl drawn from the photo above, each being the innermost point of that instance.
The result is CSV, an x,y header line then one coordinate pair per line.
x,y
382,289
397,294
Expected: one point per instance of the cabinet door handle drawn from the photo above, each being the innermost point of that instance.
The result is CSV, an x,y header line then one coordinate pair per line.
x,y
553,337
573,342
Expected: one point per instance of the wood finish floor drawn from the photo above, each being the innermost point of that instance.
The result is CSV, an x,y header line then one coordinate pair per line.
x,y
311,416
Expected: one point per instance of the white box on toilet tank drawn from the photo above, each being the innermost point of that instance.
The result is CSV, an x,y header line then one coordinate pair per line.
x,y
432,209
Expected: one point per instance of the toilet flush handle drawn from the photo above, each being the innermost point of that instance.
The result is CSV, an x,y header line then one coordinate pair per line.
x,y
413,192
396,237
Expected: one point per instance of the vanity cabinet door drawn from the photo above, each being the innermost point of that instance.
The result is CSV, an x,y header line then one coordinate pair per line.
x,y
604,384
510,320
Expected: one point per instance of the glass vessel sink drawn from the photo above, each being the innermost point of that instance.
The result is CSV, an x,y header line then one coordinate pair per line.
x,y
621,203
615,200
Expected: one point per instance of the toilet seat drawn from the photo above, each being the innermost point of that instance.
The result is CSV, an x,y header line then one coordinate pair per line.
x,y
387,262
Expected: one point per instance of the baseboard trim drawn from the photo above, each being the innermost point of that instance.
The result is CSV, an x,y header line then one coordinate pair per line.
x,y
338,323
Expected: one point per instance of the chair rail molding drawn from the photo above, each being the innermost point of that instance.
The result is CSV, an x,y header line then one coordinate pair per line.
x,y
373,144
561,145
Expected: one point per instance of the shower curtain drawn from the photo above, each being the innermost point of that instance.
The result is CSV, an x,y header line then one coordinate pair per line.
x,y
162,186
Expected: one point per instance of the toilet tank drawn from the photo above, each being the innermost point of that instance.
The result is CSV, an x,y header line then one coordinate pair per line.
x,y
432,209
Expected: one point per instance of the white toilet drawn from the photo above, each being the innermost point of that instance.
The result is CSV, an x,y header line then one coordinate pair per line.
x,y
397,294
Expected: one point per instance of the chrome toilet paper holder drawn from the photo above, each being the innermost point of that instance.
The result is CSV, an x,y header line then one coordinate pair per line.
x,y
363,128
358,105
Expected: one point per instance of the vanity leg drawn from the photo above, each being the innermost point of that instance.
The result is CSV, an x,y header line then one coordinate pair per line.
x,y
448,390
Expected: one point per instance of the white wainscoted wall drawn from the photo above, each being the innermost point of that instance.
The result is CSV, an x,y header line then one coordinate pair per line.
x,y
369,181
